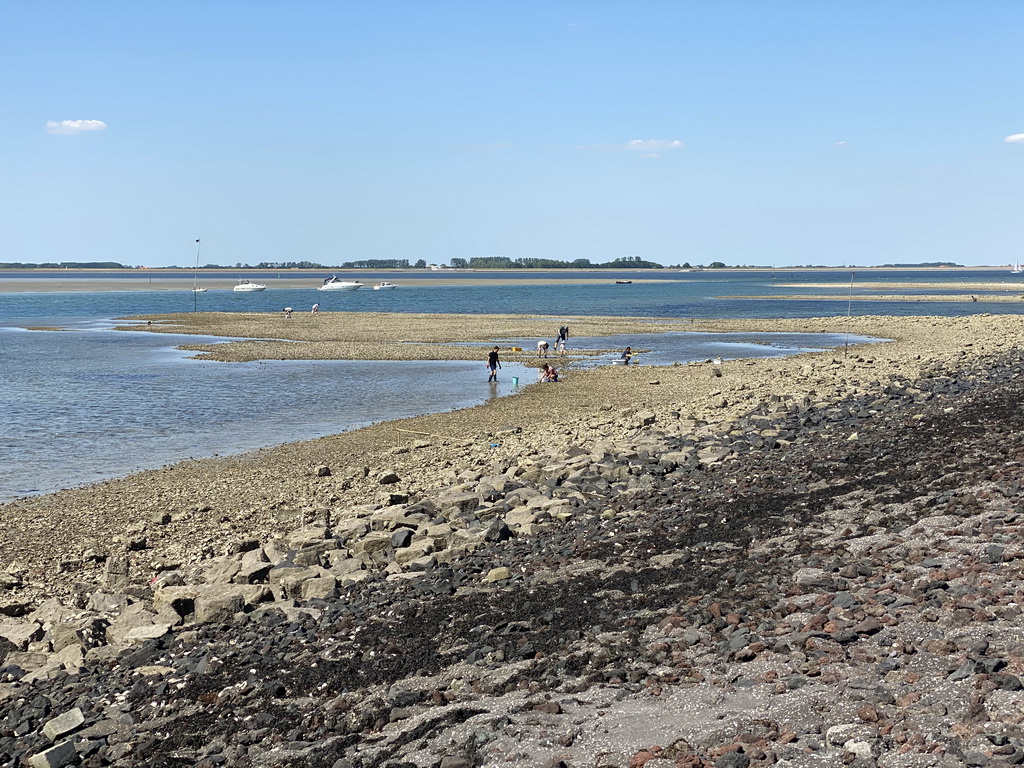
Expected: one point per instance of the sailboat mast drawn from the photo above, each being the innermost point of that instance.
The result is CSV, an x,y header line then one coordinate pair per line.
x,y
195,279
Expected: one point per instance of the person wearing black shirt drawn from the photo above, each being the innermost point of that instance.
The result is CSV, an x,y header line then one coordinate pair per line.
x,y
493,364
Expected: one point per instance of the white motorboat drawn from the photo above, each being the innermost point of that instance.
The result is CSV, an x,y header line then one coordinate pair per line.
x,y
199,290
384,285
335,284
244,286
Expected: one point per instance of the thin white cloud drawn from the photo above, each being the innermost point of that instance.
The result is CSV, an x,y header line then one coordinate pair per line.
x,y
653,146
647,148
69,127
493,146
1015,138
841,144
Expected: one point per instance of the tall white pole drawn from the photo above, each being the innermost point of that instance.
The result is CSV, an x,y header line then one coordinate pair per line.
x,y
195,279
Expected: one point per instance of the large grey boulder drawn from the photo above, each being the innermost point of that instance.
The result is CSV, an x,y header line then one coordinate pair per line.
x,y
63,724
135,624
460,503
219,603
373,546
254,573
55,757
181,600
414,551
320,587
83,632
51,612
107,602
221,570
293,583
302,537
20,632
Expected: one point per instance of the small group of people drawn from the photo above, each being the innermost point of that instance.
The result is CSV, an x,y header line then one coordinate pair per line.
x,y
493,365
543,347
288,310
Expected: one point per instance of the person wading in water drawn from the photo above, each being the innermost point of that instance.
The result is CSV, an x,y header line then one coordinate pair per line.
x,y
493,364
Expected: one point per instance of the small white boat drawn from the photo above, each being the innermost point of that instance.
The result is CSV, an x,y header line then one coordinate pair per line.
x,y
384,285
334,284
1016,268
199,290
244,286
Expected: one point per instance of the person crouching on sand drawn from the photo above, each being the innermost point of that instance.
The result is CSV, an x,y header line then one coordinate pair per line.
x,y
548,373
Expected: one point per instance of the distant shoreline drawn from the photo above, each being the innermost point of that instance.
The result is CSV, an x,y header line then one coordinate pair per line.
x,y
183,279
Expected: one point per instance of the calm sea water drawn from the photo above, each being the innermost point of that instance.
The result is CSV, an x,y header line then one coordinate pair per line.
x,y
89,403
671,294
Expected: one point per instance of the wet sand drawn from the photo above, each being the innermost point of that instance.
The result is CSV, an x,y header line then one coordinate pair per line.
x,y
963,286
392,336
1010,298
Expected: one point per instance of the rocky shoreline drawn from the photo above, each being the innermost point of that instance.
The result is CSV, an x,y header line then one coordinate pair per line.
x,y
829,575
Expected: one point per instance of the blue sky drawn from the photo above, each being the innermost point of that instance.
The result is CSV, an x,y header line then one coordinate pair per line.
x,y
771,132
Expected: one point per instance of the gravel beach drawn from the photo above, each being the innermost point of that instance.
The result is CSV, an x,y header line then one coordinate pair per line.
x,y
809,561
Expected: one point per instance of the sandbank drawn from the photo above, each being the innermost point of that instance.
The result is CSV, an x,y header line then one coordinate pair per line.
x,y
960,286
952,297
392,336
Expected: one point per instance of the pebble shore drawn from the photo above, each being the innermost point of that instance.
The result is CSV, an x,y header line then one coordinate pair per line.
x,y
813,561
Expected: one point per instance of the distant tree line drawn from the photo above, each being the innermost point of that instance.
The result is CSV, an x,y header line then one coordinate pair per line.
x,y
63,264
361,264
477,262
504,262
